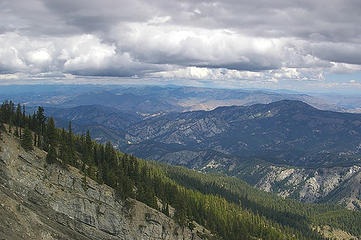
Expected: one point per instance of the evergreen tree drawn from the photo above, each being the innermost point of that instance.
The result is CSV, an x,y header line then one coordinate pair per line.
x,y
51,134
27,140
16,133
87,149
18,116
70,143
23,117
40,125
180,213
51,141
51,157
64,154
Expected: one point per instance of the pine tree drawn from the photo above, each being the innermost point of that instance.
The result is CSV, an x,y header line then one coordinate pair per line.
x,y
23,117
51,157
87,149
63,149
16,133
51,134
51,141
180,213
27,140
18,116
40,125
70,143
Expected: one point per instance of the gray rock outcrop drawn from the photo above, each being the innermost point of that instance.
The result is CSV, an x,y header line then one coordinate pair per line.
x,y
40,201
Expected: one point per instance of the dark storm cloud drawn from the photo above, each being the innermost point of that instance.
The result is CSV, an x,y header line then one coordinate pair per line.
x,y
99,16
339,52
126,38
332,20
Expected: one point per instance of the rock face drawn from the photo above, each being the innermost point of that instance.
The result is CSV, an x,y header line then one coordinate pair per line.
x,y
40,201
338,184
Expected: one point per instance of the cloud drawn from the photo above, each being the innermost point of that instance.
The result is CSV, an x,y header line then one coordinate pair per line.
x,y
272,41
79,55
198,47
224,74
341,52
344,68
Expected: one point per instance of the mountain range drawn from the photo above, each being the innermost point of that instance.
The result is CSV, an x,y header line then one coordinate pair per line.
x,y
284,132
290,147
154,99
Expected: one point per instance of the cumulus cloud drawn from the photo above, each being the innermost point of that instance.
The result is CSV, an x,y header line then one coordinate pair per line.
x,y
305,74
344,68
260,40
80,55
199,47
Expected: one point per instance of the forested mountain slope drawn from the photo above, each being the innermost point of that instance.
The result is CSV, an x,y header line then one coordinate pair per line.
x,y
226,206
286,147
42,201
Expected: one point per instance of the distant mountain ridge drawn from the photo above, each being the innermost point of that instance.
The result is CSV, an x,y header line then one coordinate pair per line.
x,y
284,132
95,115
179,99
154,99
105,123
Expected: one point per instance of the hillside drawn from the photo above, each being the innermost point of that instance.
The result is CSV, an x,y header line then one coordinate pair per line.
x,y
315,152
45,201
228,207
40,201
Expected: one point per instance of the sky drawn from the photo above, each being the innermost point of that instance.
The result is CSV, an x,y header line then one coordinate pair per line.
x,y
298,45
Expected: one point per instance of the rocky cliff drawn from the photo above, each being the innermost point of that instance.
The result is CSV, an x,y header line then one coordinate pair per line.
x,y
40,201
337,184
